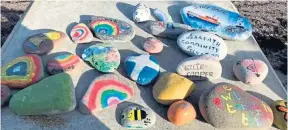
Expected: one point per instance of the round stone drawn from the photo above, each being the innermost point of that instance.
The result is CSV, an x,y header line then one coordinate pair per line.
x,y
172,87
197,43
102,57
5,94
63,63
80,33
143,68
152,45
181,113
280,114
161,16
141,13
137,117
250,71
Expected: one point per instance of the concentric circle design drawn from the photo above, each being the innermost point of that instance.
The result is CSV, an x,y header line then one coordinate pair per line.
x,y
105,27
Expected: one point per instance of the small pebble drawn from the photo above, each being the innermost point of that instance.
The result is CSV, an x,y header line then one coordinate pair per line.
x,y
152,45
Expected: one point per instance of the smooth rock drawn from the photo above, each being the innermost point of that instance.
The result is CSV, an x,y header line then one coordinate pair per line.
x,y
172,87
250,71
166,29
141,13
22,71
280,114
42,43
197,43
203,67
52,95
161,16
80,33
104,92
228,106
102,57
224,23
5,94
137,117
152,45
111,30
143,68
181,113
63,63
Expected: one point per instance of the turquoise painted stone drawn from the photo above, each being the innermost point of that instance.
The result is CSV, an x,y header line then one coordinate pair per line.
x,y
52,95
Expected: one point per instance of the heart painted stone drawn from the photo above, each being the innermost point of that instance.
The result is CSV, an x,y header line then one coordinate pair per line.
x,y
250,71
105,91
137,117
111,30
143,68
52,95
22,71
161,16
42,43
141,13
280,114
63,63
102,57
80,33
152,45
181,113
5,94
197,43
200,68
172,87
166,29
228,106
212,18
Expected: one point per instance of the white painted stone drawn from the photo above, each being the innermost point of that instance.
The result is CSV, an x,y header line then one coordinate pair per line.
x,y
141,13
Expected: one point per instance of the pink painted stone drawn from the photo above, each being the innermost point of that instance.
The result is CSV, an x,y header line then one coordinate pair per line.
x,y
250,71
81,34
153,45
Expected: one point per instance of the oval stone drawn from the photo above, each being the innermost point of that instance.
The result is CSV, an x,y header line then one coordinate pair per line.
x,y
197,43
152,45
141,13
102,57
5,94
280,114
161,16
137,117
111,30
181,113
63,63
250,71
212,18
80,33
228,106
200,68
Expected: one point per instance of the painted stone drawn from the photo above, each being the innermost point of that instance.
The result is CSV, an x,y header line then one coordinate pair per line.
x,y
143,68
197,43
228,106
250,71
152,45
141,13
63,63
42,43
102,57
224,23
5,94
137,117
166,29
203,67
112,30
181,113
280,114
22,71
80,33
161,16
105,91
172,87
52,95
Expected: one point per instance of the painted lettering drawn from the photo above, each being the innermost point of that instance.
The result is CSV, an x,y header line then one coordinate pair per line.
x,y
230,108
244,120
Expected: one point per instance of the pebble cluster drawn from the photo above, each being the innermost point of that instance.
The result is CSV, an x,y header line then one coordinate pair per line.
x,y
223,106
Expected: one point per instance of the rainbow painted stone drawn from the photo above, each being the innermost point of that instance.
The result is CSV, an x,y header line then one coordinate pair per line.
x,y
102,57
80,33
22,71
111,30
228,106
5,94
105,91
143,68
280,114
63,63
43,43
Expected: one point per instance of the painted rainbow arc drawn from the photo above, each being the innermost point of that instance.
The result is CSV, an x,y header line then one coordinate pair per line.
x,y
80,32
65,60
105,27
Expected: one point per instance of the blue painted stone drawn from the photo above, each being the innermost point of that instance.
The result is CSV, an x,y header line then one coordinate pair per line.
x,y
228,25
18,69
143,68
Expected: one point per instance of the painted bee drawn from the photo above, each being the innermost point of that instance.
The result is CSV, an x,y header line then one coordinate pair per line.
x,y
136,114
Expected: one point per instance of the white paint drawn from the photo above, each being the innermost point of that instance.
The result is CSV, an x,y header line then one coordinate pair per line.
x,y
141,13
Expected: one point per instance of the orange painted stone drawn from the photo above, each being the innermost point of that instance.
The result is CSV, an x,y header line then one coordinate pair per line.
x,y
181,113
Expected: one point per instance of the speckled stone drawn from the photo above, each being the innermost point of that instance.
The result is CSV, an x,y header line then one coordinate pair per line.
x,y
181,113
141,13
5,94
63,63
152,45
280,114
80,33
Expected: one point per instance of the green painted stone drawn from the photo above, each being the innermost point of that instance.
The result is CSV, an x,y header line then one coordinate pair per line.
x,y
52,95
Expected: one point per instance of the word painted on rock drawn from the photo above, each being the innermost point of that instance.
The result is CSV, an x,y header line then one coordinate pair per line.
x,y
197,70
209,7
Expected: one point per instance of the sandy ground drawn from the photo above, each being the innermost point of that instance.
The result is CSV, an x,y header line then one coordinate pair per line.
x,y
268,18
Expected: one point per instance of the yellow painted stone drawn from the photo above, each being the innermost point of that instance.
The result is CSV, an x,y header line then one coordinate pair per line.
x,y
280,114
53,35
172,87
